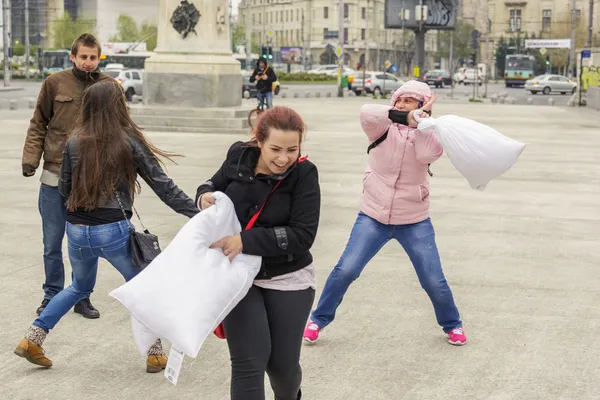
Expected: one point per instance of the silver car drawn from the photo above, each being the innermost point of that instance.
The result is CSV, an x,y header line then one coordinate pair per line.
x,y
551,83
130,79
376,82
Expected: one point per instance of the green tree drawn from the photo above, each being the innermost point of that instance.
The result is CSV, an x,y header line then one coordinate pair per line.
x,y
128,31
19,49
149,32
561,29
462,42
238,36
502,49
65,30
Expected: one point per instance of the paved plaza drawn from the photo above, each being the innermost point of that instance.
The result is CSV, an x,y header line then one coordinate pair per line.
x,y
522,258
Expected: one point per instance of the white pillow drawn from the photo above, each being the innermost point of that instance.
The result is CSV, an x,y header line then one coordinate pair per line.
x,y
478,152
189,289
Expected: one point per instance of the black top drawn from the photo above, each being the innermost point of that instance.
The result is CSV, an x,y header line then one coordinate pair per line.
x,y
285,230
147,166
99,216
264,86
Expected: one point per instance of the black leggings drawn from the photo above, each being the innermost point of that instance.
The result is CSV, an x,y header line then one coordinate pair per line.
x,y
264,334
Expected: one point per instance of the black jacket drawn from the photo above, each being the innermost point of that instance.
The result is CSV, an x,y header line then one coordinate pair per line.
x,y
264,86
147,166
287,226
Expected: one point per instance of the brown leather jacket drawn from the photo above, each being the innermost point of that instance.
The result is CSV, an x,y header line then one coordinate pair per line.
x,y
54,116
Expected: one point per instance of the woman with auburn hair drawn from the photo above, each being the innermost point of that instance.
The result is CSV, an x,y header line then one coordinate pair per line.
x,y
277,199
98,177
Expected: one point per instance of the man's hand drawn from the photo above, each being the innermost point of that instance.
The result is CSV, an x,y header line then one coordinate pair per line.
x,y
231,245
28,170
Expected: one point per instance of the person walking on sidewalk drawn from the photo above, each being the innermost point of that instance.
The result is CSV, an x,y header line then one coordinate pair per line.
x,y
55,113
277,198
98,178
394,205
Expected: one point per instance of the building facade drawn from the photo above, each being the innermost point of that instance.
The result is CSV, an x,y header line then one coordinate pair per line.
x,y
517,19
104,13
314,25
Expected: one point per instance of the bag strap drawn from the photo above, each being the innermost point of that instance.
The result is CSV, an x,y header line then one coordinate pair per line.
x,y
378,141
255,216
125,214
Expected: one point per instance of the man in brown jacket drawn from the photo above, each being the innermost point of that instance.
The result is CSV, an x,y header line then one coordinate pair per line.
x,y
54,116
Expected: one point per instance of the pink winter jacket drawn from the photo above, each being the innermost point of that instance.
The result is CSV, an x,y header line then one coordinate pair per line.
x,y
396,183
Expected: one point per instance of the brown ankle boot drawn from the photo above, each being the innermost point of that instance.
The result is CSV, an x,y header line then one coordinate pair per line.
x,y
33,353
155,363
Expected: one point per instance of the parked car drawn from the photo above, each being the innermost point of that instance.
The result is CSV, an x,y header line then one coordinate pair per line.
x,y
130,79
438,77
467,76
324,69
114,67
550,83
376,82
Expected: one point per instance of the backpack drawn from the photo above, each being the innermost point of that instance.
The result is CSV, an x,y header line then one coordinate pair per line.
x,y
380,140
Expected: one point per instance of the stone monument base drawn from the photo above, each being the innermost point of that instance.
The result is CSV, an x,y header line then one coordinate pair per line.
x,y
192,80
227,120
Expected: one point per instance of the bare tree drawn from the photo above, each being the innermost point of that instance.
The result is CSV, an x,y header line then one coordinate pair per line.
x,y
408,50
561,29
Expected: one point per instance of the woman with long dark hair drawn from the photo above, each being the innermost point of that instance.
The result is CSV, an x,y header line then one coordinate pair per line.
x,y
277,198
98,177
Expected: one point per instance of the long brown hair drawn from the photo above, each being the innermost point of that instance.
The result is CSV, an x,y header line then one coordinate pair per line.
x,y
105,160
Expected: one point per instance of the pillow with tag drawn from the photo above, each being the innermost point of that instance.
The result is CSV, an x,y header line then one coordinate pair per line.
x,y
188,289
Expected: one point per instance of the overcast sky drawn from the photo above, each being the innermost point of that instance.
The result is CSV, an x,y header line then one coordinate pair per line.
x,y
234,4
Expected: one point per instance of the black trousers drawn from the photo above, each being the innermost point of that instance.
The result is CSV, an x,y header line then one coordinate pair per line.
x,y
264,334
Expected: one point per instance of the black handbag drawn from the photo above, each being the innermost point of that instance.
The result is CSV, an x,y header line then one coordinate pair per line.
x,y
144,246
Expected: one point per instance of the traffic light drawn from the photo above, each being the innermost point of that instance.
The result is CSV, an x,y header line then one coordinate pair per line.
x,y
475,35
547,60
270,53
263,52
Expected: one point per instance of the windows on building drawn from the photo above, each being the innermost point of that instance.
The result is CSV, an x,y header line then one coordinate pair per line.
x,y
546,20
514,21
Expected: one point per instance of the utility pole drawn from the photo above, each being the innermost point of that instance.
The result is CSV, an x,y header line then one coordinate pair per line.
x,y
378,33
420,38
404,52
248,42
451,68
572,55
590,38
6,40
27,38
341,40
487,46
304,60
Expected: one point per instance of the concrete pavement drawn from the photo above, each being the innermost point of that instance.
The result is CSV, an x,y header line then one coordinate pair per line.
x,y
30,90
521,258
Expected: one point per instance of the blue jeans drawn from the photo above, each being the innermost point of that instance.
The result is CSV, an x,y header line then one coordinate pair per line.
x,y
266,97
86,245
53,210
367,238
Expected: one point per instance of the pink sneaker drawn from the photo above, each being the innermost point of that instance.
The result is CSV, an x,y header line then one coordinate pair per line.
x,y
311,332
456,337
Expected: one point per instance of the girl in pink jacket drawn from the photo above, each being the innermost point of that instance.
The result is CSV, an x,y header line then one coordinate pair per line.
x,y
394,205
